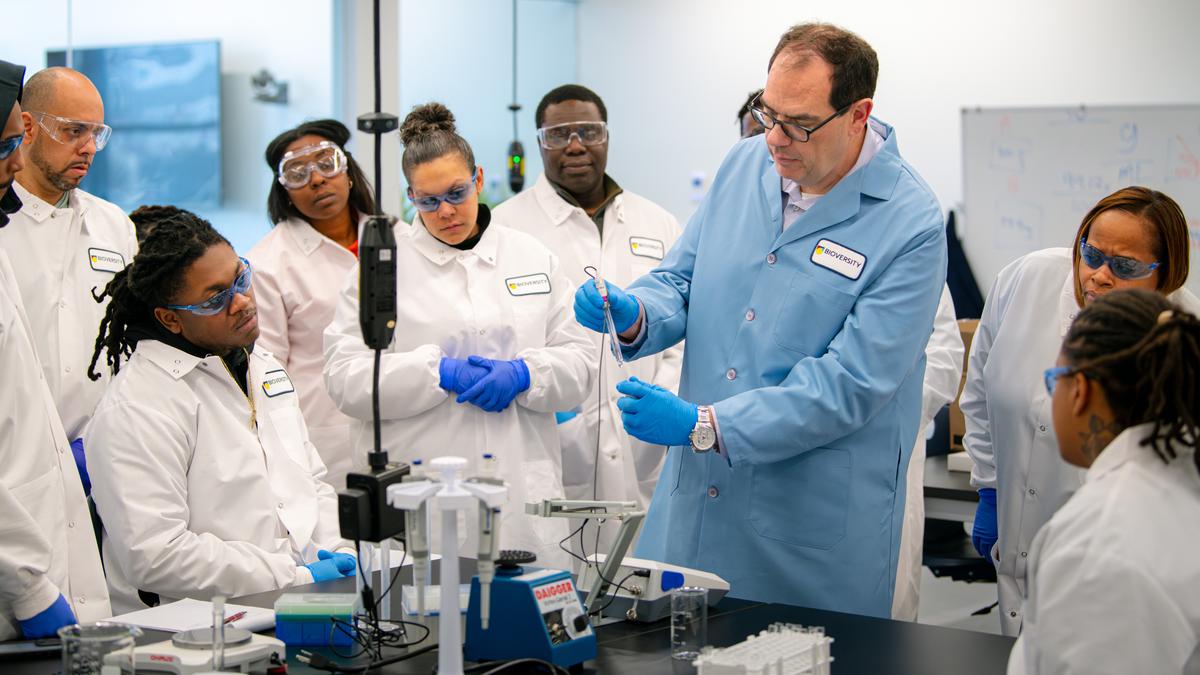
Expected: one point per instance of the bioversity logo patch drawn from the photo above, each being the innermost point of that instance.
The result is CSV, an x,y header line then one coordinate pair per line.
x,y
277,383
837,258
104,260
646,247
529,284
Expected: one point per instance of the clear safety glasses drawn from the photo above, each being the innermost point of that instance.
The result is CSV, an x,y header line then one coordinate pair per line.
x,y
73,132
296,167
559,136
220,302
794,131
9,145
454,196
1121,267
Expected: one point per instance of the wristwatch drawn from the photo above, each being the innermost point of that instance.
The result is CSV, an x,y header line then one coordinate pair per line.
x,y
703,436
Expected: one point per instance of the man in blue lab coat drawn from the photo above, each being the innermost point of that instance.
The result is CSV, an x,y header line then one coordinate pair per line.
x,y
806,286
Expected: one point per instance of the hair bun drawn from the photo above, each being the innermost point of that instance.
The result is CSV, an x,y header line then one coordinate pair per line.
x,y
425,120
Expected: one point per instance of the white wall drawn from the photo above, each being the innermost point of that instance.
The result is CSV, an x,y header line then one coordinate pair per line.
x,y
291,38
459,52
674,72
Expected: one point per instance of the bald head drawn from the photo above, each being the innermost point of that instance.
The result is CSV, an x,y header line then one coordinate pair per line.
x,y
59,87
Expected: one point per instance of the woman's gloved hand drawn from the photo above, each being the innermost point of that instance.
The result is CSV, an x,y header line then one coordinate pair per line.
x,y
655,415
47,622
457,375
985,532
589,307
330,566
504,381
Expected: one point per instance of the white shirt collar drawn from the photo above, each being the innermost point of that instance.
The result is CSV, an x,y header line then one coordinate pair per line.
x,y
872,144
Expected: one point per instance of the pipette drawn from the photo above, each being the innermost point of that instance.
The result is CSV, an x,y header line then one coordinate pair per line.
x,y
613,336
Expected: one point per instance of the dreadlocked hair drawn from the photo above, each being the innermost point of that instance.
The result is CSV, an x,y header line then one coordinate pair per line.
x,y
1144,351
151,280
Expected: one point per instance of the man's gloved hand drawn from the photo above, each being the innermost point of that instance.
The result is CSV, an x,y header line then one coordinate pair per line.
x,y
562,417
985,533
47,622
457,375
589,307
331,566
655,415
81,465
495,390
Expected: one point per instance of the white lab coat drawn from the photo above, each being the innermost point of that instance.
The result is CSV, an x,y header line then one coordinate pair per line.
x,y
63,259
636,234
298,273
1009,432
46,542
195,501
1114,587
943,374
506,298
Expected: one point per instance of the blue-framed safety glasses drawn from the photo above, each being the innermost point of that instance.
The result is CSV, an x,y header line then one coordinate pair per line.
x,y
1121,267
454,196
220,302
9,145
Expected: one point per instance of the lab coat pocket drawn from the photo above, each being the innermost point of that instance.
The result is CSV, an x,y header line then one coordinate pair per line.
x,y
804,500
810,315
578,453
288,428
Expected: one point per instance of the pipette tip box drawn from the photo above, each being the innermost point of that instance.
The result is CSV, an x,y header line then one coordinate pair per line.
x,y
316,619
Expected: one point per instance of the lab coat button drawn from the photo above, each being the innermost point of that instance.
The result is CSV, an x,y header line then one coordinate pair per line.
x,y
81,600
1024,554
280,505
713,491
731,374
1032,492
62,304
1042,428
67,369
750,315
71,524
770,258
482,331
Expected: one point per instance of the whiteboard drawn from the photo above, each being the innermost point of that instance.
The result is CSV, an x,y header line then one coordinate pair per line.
x,y
1031,174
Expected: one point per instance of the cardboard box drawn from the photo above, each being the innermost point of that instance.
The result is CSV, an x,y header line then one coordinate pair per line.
x,y
958,425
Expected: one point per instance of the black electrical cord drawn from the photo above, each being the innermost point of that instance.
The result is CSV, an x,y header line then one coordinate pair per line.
x,y
612,597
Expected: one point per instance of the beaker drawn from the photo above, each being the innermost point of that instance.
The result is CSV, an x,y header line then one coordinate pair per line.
x,y
689,622
102,648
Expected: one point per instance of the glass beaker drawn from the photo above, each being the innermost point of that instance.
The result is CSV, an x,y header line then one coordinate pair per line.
x,y
102,648
689,622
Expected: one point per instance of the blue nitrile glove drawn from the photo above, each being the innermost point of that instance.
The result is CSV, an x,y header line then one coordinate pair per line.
x,y
589,307
985,533
655,415
331,566
47,622
504,381
81,465
457,375
561,417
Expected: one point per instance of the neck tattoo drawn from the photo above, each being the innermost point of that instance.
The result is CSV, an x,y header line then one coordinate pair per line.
x,y
1100,433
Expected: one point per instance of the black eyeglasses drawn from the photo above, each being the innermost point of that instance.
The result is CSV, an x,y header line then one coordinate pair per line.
x,y
794,131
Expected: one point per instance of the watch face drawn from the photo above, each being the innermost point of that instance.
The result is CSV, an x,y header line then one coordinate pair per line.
x,y
703,437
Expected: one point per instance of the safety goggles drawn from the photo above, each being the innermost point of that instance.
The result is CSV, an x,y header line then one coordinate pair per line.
x,y
9,145
794,131
1052,375
1121,267
297,166
454,196
220,302
559,136
73,132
